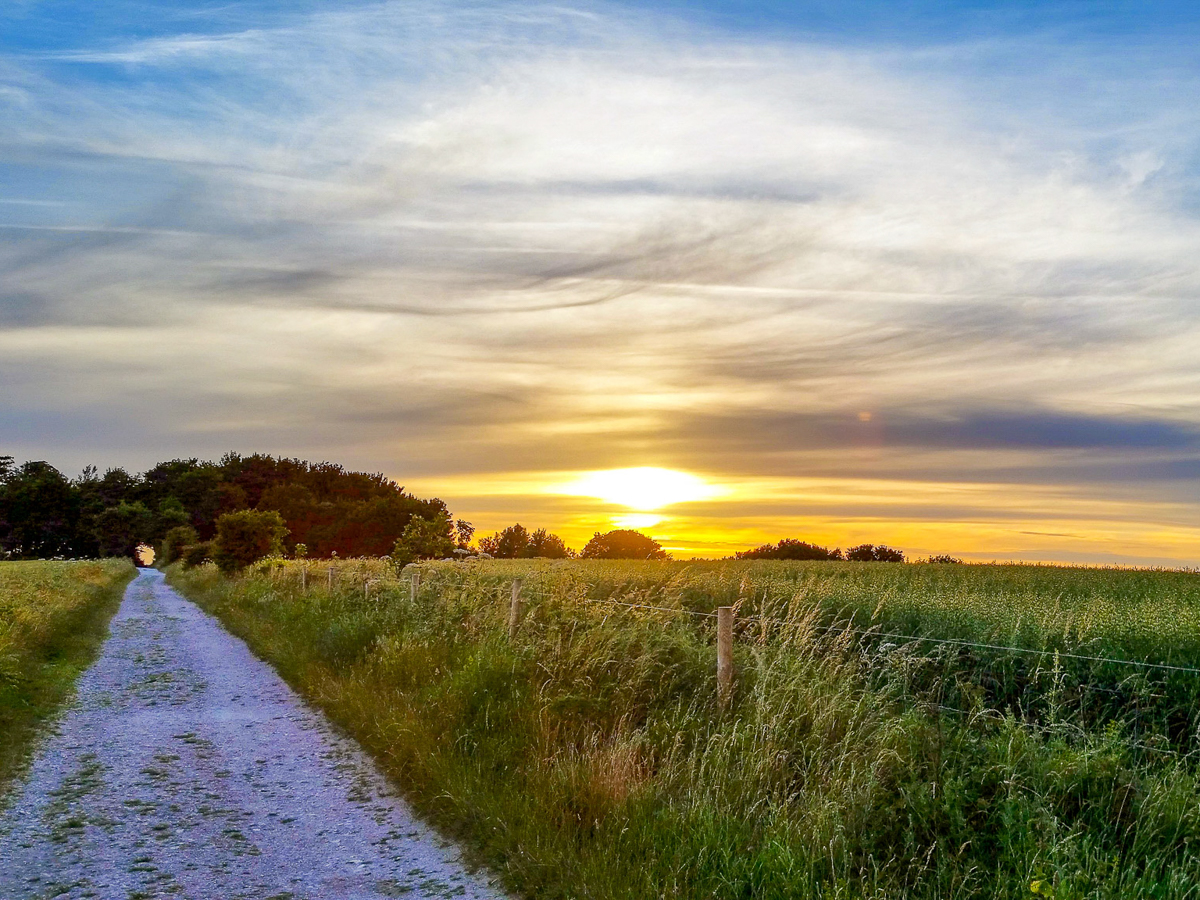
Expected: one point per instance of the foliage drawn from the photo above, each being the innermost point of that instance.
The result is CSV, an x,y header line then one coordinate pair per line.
x,y
623,543
327,508
944,559
516,542
53,617
589,757
789,548
874,553
464,531
246,536
176,541
121,528
198,554
424,539
39,513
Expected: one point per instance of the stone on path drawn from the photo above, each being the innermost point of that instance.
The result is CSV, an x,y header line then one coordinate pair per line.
x,y
187,768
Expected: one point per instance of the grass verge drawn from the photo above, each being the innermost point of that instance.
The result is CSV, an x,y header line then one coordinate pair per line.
x,y
587,757
53,618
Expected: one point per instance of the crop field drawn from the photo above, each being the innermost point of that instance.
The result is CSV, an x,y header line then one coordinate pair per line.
x,y
53,617
898,731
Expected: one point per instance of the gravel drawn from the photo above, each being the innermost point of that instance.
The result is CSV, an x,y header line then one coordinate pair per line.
x,y
187,768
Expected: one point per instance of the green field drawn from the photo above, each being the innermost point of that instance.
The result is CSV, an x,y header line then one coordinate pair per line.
x,y
589,756
53,618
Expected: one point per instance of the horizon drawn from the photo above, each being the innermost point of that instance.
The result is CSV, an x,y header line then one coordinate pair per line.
x,y
924,277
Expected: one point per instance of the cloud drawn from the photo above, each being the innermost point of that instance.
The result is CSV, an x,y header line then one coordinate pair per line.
x,y
441,239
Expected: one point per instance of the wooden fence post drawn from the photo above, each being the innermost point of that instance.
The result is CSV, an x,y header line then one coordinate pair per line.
x,y
304,579
516,609
724,654
331,579
414,585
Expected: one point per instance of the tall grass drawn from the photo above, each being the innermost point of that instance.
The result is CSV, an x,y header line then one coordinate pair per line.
x,y
53,618
588,757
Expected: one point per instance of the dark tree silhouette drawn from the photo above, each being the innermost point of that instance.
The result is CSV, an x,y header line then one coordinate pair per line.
x,y
623,543
517,542
324,506
789,548
874,553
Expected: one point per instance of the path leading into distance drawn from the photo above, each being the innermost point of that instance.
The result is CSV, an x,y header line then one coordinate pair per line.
x,y
187,768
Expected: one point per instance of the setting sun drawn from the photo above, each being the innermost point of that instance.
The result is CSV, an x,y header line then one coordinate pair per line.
x,y
644,489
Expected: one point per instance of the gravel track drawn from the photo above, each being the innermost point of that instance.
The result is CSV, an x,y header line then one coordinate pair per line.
x,y
187,768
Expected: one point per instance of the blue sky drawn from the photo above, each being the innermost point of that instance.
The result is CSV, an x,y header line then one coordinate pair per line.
x,y
918,273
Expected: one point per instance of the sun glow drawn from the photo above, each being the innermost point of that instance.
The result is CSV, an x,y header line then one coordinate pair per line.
x,y
645,489
637,521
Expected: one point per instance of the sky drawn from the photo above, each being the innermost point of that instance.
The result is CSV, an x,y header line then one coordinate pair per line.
x,y
922,274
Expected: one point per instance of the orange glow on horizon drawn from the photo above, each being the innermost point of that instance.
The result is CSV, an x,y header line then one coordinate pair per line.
x,y
974,521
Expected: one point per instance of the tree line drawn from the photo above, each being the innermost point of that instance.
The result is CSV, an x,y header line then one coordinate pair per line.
x,y
242,508
325,508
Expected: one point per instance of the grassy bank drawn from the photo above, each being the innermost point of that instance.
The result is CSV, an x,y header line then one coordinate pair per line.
x,y
588,756
53,618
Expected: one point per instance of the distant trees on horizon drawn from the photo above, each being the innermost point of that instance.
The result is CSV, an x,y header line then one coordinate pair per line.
x,y
324,509
790,548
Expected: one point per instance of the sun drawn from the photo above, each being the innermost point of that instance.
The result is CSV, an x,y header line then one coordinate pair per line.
x,y
644,489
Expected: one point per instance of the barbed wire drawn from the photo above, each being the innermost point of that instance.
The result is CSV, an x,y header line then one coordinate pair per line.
x,y
955,642
888,635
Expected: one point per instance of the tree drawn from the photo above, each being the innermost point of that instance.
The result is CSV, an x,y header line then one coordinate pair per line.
x,y
511,543
122,528
788,548
463,532
517,542
873,553
39,511
246,536
624,543
176,541
424,539
548,546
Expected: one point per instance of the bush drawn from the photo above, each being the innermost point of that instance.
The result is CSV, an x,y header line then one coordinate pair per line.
x,y
246,536
197,554
424,539
176,541
874,553
789,548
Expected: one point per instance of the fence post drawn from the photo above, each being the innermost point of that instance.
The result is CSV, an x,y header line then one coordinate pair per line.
x,y
304,579
414,585
331,579
724,654
516,610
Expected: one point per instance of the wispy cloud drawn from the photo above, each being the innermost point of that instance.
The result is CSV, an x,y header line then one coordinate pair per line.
x,y
432,238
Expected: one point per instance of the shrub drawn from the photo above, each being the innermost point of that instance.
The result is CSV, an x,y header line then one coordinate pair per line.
x,y
246,536
789,548
874,553
424,539
197,554
176,541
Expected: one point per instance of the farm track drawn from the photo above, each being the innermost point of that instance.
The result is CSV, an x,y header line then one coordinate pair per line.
x,y
187,768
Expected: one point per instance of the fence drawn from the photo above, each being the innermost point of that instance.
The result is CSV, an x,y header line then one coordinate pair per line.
x,y
728,624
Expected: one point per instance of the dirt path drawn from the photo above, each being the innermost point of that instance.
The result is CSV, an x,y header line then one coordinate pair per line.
x,y
187,768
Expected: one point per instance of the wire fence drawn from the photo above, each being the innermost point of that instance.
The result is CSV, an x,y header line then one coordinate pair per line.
x,y
521,591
